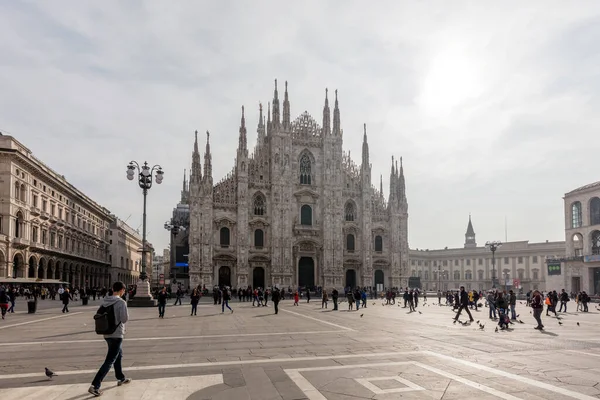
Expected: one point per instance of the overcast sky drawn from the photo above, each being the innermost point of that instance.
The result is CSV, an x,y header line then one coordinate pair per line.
x,y
493,105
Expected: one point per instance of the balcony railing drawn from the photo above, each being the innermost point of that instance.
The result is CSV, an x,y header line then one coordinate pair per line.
x,y
564,259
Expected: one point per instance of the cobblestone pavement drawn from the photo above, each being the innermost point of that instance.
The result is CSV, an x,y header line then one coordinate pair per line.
x,y
305,352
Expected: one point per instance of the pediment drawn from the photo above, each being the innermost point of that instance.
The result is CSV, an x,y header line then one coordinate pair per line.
x,y
306,192
224,221
258,223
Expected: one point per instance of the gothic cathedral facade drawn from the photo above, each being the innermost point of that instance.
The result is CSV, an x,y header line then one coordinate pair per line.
x,y
297,211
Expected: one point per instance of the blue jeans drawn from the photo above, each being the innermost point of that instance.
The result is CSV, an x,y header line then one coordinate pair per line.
x,y
492,310
113,357
513,313
224,304
161,310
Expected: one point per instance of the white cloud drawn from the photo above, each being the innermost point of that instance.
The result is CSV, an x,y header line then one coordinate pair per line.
x,y
493,105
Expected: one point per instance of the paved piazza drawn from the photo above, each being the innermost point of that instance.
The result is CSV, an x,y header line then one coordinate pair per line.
x,y
303,353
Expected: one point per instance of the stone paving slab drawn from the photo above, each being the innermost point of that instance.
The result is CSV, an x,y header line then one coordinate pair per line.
x,y
381,352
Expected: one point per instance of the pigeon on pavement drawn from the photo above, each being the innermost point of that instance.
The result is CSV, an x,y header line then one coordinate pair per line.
x,y
49,373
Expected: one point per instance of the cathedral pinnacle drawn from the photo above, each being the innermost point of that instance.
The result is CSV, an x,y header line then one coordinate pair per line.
x,y
326,116
365,149
261,126
196,172
243,141
336,116
286,107
207,158
275,105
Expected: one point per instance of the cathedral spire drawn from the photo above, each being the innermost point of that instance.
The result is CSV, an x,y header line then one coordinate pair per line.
x,y
393,192
196,173
401,183
286,108
184,180
365,149
207,159
381,185
326,116
275,106
243,142
336,117
261,127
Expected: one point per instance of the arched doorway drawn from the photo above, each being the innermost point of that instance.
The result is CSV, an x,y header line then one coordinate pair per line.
x,y
258,277
18,267
57,270
306,272
31,271
351,278
41,265
224,276
379,278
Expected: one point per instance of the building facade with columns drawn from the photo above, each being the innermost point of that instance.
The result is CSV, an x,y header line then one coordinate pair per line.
x,y
297,210
48,228
580,269
518,265
125,255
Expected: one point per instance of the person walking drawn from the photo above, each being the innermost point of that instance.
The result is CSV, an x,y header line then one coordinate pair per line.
x,y
114,340
194,299
564,298
296,298
225,302
12,296
178,296
66,297
275,297
464,304
162,302
537,304
334,297
324,299
512,303
4,299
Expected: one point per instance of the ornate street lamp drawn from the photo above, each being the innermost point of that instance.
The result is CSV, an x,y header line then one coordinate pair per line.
x,y
493,246
143,298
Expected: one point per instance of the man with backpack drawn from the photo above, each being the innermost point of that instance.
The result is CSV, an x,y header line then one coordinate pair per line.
x,y
110,320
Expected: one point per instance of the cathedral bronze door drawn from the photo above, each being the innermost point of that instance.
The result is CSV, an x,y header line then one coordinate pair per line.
x,y
351,278
306,272
224,276
379,278
258,277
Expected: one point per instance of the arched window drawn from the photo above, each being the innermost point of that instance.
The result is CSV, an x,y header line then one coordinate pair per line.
x,y
349,211
259,238
378,243
306,215
23,193
595,211
224,236
576,215
596,242
350,242
260,204
468,275
305,170
456,275
19,225
426,275
480,275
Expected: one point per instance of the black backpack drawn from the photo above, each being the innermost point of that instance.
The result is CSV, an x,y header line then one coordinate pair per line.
x,y
105,320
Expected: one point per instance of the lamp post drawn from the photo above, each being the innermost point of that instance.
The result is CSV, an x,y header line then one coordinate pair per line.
x,y
143,298
493,246
506,281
